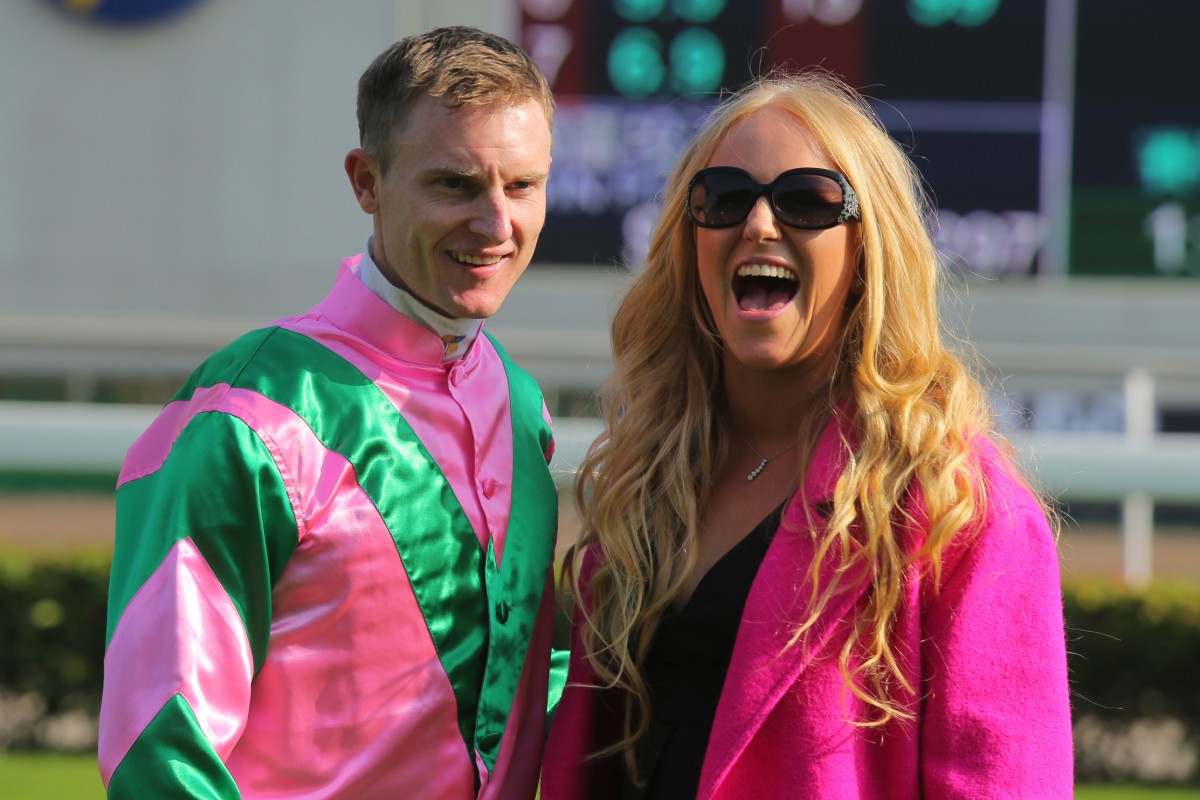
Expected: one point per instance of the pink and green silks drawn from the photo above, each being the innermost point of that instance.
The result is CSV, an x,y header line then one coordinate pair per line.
x,y
332,570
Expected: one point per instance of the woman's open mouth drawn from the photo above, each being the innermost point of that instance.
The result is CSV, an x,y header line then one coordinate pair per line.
x,y
764,287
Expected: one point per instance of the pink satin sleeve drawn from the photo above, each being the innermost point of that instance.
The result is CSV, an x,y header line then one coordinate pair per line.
x,y
180,634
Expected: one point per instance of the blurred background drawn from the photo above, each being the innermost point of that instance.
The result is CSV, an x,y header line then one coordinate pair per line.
x,y
171,176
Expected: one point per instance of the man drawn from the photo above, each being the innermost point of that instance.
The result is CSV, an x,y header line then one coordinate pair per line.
x,y
331,575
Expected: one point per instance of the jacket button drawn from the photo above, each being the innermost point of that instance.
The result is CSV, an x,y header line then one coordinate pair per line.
x,y
502,611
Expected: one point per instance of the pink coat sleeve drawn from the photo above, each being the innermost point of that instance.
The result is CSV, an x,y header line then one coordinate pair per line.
x,y
996,717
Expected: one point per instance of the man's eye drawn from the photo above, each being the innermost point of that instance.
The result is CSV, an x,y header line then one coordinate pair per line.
x,y
450,182
521,186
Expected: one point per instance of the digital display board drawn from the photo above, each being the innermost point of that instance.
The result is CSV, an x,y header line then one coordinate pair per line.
x,y
1136,169
962,84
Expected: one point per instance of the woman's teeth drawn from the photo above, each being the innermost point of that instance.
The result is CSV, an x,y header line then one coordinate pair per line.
x,y
766,271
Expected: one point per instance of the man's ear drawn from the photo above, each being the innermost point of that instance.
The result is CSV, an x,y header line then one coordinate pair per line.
x,y
363,173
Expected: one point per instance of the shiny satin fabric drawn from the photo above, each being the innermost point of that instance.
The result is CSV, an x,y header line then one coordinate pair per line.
x,y
436,545
516,580
439,669
210,668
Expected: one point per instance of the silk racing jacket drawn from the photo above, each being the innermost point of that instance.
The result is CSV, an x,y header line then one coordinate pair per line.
x,y
332,575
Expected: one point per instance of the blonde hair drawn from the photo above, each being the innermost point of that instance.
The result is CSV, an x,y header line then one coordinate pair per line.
x,y
911,404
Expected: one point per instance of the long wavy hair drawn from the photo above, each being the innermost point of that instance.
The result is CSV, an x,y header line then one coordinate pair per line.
x,y
910,404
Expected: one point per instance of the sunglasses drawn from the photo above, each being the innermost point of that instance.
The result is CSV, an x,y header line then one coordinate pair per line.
x,y
810,199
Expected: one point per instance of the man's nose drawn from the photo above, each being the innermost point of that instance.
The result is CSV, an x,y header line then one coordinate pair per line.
x,y
492,218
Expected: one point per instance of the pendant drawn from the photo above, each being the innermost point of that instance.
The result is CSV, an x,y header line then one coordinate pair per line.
x,y
754,472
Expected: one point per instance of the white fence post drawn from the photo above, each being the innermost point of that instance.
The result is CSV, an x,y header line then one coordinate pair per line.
x,y
1137,538
1137,507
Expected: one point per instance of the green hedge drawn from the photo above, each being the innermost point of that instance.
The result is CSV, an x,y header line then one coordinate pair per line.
x,y
51,642
1133,655
1135,680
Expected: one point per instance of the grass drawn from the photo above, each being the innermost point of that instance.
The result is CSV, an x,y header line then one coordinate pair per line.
x,y
52,776
1130,791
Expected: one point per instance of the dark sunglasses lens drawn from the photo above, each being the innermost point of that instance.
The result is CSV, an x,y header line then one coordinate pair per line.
x,y
721,199
808,201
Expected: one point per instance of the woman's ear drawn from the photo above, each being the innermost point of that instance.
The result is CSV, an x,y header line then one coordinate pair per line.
x,y
859,284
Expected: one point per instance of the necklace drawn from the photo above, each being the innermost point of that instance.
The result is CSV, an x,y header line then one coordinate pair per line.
x,y
765,459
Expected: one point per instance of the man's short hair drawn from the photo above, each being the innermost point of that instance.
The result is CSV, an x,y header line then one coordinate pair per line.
x,y
460,65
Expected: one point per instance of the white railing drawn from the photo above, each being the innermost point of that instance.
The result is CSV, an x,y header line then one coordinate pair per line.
x,y
1135,339
1134,472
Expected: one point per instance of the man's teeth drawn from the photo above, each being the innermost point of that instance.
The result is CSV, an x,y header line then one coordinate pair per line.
x,y
766,271
476,261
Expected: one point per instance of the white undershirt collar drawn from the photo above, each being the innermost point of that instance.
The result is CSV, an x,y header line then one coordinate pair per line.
x,y
456,334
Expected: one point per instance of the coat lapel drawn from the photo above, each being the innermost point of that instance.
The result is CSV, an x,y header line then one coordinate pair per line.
x,y
763,666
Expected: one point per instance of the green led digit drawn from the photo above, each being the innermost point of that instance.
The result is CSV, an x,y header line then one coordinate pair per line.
x,y
968,13
638,10
1169,160
932,13
635,62
973,13
697,61
698,12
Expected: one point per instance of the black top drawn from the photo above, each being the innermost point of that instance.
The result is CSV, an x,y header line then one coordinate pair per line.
x,y
685,670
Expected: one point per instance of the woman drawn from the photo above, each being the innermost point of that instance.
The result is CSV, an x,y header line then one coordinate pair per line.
x,y
810,569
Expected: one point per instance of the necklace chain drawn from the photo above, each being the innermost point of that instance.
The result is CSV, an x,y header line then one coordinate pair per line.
x,y
754,473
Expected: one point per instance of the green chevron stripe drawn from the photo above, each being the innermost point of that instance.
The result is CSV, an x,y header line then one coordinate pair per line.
x,y
515,588
170,755
437,546
231,501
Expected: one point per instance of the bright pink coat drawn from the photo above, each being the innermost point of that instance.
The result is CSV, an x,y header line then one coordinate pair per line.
x,y
987,654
